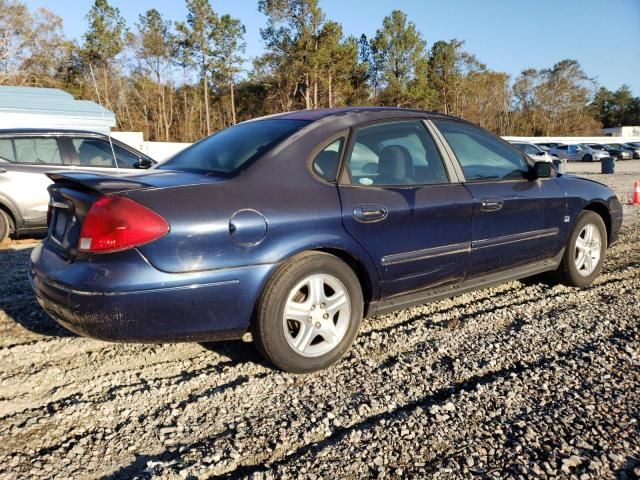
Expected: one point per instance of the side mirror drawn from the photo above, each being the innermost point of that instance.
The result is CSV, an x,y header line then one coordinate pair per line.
x,y
541,170
144,163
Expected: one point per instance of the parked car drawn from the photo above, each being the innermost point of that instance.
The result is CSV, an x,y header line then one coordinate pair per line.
x,y
617,153
633,150
533,151
634,144
27,154
578,152
626,152
295,226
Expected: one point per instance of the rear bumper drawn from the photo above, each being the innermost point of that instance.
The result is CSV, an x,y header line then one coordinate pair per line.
x,y
120,297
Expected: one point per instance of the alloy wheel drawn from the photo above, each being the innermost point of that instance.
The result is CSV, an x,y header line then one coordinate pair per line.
x,y
588,249
316,315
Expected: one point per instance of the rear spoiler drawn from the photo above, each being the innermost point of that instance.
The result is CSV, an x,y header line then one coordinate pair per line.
x,y
97,182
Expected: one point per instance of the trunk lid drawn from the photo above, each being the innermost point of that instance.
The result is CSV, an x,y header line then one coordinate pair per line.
x,y
73,193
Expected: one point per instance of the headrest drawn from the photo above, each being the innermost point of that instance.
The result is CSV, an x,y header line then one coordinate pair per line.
x,y
395,164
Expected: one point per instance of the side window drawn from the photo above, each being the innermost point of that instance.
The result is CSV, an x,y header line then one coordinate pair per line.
x,y
561,147
126,159
6,150
326,163
395,153
481,155
93,152
531,150
38,151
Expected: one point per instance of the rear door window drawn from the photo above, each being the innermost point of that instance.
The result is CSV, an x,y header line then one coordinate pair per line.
x,y
37,151
6,150
395,153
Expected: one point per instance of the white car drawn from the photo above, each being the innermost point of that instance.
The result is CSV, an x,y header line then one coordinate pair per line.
x,y
534,151
578,152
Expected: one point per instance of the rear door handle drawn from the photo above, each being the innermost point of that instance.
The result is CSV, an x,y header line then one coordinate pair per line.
x,y
370,213
491,204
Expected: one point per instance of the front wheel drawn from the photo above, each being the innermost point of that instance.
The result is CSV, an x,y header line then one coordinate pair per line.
x,y
587,158
585,251
309,313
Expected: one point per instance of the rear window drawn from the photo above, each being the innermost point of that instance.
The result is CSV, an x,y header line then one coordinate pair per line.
x,y
31,150
6,150
235,147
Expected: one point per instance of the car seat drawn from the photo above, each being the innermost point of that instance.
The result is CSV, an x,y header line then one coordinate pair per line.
x,y
395,166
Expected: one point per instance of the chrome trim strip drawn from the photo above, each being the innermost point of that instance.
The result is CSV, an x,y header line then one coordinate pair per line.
x,y
516,237
426,253
59,204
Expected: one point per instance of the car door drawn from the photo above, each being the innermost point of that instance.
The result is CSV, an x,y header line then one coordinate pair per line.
x,y
25,160
403,204
515,220
97,154
561,152
574,153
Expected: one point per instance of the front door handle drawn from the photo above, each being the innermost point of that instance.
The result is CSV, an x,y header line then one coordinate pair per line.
x,y
491,204
370,213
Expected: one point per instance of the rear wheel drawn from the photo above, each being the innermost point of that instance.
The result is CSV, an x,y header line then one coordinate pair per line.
x,y
585,251
309,313
5,227
587,158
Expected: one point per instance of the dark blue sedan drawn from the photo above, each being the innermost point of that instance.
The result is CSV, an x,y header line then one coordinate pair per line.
x,y
296,226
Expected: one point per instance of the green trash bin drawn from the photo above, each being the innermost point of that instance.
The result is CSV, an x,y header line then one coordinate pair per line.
x,y
608,165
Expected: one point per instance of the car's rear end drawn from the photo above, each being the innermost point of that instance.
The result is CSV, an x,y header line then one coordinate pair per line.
x,y
92,276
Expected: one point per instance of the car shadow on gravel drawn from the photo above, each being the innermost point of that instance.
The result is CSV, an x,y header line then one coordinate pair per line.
x,y
238,352
18,300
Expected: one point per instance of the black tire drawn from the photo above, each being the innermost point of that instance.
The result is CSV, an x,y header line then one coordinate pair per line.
x,y
587,158
5,227
567,272
268,329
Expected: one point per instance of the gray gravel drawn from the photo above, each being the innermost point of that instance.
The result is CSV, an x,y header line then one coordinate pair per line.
x,y
522,380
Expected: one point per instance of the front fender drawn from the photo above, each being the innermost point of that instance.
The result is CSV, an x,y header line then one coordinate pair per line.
x,y
584,193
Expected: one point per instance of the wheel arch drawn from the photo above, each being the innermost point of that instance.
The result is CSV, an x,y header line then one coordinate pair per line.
x,y
369,291
602,210
11,214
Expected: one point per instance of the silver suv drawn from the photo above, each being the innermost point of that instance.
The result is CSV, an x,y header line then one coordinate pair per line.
x,y
27,154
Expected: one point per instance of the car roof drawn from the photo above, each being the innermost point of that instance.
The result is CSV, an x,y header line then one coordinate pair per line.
x,y
320,113
47,131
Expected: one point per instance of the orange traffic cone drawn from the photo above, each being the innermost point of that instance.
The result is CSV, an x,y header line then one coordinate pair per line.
x,y
635,200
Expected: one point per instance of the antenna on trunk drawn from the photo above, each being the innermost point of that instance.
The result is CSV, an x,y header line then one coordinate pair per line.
x,y
95,86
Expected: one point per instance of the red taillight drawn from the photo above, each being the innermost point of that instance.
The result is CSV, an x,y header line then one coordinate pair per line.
x,y
117,223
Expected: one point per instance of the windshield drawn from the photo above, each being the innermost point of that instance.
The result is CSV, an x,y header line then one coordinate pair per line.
x,y
231,149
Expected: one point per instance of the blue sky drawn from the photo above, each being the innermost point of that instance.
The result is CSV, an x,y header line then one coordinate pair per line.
x,y
603,35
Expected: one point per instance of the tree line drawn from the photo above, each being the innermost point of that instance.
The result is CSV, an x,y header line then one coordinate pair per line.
x,y
182,80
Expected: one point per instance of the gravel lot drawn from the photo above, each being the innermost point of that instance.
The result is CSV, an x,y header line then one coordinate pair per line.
x,y
521,380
